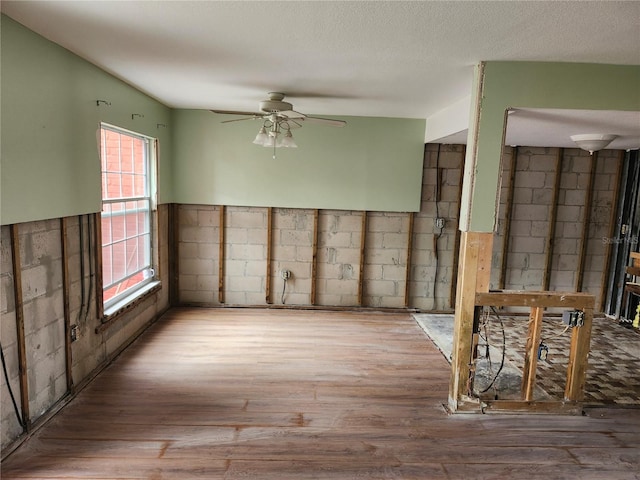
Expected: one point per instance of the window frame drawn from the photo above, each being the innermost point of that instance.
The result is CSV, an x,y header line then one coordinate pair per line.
x,y
124,299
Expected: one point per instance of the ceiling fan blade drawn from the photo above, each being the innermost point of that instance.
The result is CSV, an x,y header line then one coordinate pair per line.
x,y
234,112
242,119
292,114
326,121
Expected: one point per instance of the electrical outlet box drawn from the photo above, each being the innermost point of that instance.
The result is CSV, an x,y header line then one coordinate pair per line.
x,y
74,333
285,274
439,222
573,318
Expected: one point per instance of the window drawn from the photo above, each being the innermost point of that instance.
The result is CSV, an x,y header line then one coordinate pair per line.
x,y
127,207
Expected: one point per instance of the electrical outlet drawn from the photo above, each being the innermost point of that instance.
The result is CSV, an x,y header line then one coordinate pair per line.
x,y
439,222
285,274
74,333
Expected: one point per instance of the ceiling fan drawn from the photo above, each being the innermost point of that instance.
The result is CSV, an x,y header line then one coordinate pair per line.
x,y
278,118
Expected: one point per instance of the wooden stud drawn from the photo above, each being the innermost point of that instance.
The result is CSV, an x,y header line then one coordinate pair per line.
x,y
472,267
363,239
521,298
97,235
173,235
612,231
578,357
407,280
553,215
531,353
65,305
507,219
267,293
314,257
221,240
19,306
586,220
456,240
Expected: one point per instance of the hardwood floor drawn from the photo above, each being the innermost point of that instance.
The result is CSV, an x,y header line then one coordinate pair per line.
x,y
280,394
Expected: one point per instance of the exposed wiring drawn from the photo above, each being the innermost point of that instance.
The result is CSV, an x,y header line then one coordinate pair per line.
x,y
13,398
284,288
504,350
542,340
436,237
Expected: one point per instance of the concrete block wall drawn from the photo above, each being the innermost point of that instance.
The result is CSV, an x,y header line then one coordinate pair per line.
x,y
530,218
432,272
245,255
339,237
41,267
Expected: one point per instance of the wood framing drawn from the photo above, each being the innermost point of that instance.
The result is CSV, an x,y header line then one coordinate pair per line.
x,y
456,240
65,305
507,220
363,249
314,257
578,357
97,232
474,262
553,215
531,353
173,232
586,220
20,334
407,280
612,231
221,240
267,280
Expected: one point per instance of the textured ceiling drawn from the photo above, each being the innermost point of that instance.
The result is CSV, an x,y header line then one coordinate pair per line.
x,y
392,59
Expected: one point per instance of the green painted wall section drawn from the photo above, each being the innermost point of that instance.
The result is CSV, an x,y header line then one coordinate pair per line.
x,y
50,163
531,85
370,164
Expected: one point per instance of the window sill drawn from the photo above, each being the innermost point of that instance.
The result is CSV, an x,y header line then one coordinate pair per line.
x,y
115,311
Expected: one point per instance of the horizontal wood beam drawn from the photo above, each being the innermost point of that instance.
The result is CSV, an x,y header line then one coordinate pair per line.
x,y
517,298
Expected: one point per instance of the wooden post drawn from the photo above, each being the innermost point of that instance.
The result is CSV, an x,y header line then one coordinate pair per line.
x,y
531,353
363,239
314,257
507,219
456,241
475,267
407,281
22,349
173,235
553,214
267,293
586,219
221,240
578,357
612,231
97,232
65,305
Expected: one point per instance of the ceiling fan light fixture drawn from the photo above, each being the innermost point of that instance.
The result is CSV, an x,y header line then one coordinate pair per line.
x,y
287,141
261,137
592,142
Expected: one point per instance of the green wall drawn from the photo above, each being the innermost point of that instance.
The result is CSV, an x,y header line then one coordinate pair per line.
x,y
370,164
530,85
50,164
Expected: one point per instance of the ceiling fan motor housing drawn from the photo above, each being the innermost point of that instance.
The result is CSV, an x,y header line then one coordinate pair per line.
x,y
275,103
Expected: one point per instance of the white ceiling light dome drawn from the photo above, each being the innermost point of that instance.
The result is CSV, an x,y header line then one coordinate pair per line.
x,y
592,142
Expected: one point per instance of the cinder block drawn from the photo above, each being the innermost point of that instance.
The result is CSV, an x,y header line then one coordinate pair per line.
x,y
234,236
188,250
337,239
188,215
248,219
208,251
394,272
207,282
295,237
243,284
235,268
208,217
246,252
189,296
395,240
198,266
187,282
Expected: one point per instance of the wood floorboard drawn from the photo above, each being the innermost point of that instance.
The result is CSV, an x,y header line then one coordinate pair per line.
x,y
274,394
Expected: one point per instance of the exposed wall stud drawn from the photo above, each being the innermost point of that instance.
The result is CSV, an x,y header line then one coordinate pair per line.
x,y
553,215
221,259
407,280
19,306
586,219
456,241
314,257
267,293
174,257
531,353
363,240
65,305
612,231
507,219
97,227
